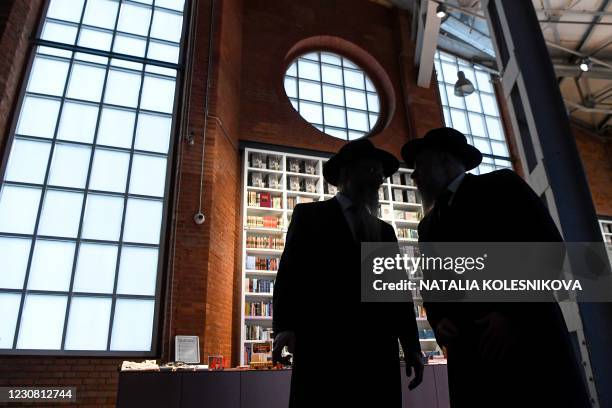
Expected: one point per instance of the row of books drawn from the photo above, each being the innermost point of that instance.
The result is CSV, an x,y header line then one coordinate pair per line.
x,y
426,334
257,352
264,242
259,309
265,161
256,332
403,232
260,180
293,201
407,215
265,221
261,263
259,199
254,285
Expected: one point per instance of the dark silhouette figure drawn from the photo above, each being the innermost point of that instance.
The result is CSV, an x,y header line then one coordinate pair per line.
x,y
499,354
345,352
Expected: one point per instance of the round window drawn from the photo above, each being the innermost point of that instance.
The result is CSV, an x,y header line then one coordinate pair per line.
x,y
332,94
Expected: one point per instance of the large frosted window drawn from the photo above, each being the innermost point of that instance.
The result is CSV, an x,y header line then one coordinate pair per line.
x,y
476,115
332,94
83,193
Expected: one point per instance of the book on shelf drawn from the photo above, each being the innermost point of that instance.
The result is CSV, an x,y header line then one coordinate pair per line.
x,y
265,221
261,263
264,200
411,233
407,215
258,309
264,242
398,195
291,202
385,211
411,196
305,199
254,285
396,179
257,333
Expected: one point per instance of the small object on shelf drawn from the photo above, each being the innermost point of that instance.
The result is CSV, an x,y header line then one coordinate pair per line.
x,y
264,200
407,180
310,185
385,211
333,190
257,161
274,162
310,167
398,195
274,181
294,183
381,194
216,363
411,196
147,365
294,165
396,179
257,180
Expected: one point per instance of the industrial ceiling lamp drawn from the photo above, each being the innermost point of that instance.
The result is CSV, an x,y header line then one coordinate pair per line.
x,y
463,86
585,64
441,10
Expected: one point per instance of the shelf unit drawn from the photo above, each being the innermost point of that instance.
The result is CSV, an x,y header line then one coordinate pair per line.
x,y
282,177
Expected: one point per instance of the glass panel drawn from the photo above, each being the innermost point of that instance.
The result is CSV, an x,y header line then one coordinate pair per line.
x,y
101,13
109,171
459,120
356,99
102,219
292,70
373,105
332,75
355,135
339,133
311,112
28,161
69,10
450,73
477,125
310,91
51,265
369,85
153,133
134,19
330,58
157,94
290,87
96,59
308,70
14,253
18,209
357,120
311,56
48,76
95,269
97,39
447,119
373,120
454,101
333,95
125,44
348,63
69,165
60,213
137,271
42,322
472,102
499,149
167,26
354,79
86,82
116,127
88,323
484,81
163,52
494,127
171,4
489,104
122,88
148,176
334,116
442,90
142,221
38,117
132,325
482,145
58,32
78,122
9,304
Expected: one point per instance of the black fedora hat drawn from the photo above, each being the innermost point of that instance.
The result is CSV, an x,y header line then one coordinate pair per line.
x,y
443,139
355,150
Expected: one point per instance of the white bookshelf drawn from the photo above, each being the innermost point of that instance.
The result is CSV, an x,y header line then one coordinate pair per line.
x,y
321,191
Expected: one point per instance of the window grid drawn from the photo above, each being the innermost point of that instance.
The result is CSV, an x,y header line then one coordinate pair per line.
x,y
146,70
606,230
493,158
345,66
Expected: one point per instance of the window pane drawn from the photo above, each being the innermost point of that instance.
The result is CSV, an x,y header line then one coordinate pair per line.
x,y
116,127
125,44
171,4
442,90
51,265
489,104
69,10
132,325
88,323
311,112
157,94
137,271
69,165
95,269
454,101
122,88
494,127
14,253
48,76
450,73
482,145
335,116
292,70
499,148
134,19
42,322
153,133
38,117
167,26
472,102
354,79
290,87
310,91
459,121
484,81
60,213
103,215
18,209
356,99
78,122
332,75
373,105
373,120
163,52
9,304
339,133
330,58
477,125
86,82
357,120
308,70
101,13
28,161
58,32
355,135
142,221
97,39
109,171
148,176
333,95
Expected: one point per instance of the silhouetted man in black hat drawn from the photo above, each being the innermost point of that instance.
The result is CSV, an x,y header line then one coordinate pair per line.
x,y
499,354
345,353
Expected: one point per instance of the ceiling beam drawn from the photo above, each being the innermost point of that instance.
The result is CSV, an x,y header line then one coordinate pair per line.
x,y
572,71
428,44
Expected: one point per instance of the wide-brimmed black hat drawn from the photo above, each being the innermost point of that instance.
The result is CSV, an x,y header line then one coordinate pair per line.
x,y
356,150
443,139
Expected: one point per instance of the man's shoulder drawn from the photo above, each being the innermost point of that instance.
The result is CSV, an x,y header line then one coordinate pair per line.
x,y
312,207
495,178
